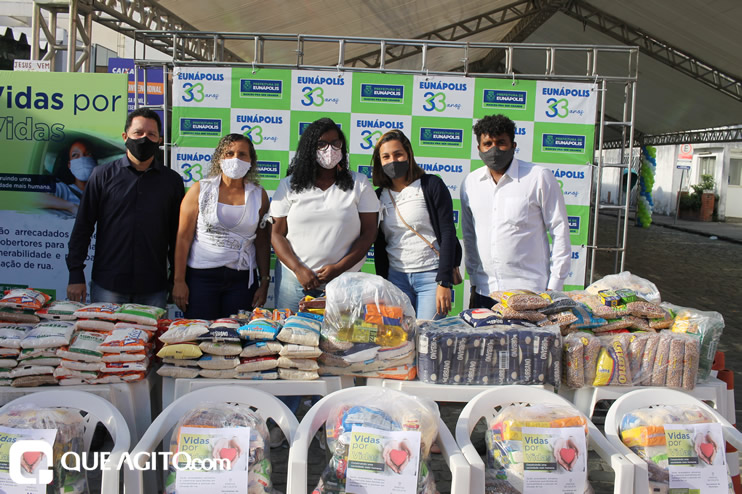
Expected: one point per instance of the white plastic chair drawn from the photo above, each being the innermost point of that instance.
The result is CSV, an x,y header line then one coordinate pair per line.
x,y
98,410
483,405
316,418
648,397
266,405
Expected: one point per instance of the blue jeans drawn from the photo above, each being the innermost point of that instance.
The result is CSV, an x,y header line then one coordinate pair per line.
x,y
100,294
420,288
219,292
288,291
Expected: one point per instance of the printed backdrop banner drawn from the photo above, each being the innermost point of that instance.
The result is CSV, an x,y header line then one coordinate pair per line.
x,y
43,116
155,86
555,126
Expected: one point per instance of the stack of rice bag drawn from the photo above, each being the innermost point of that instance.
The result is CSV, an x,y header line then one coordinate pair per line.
x,y
563,451
19,305
392,419
38,360
643,431
663,359
482,348
218,424
368,330
112,344
181,351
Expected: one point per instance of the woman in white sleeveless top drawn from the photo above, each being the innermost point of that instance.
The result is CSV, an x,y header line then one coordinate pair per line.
x,y
222,255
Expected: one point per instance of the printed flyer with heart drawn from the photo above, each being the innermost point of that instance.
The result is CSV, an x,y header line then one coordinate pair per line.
x,y
382,461
696,459
232,444
32,462
555,459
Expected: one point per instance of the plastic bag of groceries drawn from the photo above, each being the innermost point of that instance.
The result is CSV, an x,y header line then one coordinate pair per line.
x,y
382,434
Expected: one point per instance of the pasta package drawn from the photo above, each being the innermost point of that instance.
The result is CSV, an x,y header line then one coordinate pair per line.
x,y
705,326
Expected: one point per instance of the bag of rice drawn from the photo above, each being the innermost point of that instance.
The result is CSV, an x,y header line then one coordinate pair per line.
x,y
257,376
50,361
220,334
185,330
95,325
18,316
12,334
140,314
257,364
300,330
31,370
261,348
226,322
180,362
218,373
139,366
98,310
64,373
220,348
49,334
73,381
124,340
84,347
180,351
117,378
60,310
24,299
218,362
300,351
80,366
8,363
298,363
297,375
260,329
124,357
178,372
9,352
33,381
28,353
131,325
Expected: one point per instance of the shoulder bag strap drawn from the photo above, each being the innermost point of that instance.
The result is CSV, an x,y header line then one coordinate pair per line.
x,y
408,226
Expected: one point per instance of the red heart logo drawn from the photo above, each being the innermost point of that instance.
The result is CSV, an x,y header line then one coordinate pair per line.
x,y
31,457
568,455
707,449
228,454
398,456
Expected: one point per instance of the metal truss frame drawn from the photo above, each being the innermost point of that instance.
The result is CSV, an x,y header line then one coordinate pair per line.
x,y
660,50
514,11
79,23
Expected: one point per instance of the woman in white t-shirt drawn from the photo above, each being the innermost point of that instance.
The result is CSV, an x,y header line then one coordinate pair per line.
x,y
324,214
222,253
416,249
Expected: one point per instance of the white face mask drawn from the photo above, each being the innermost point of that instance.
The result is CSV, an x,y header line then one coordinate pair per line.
x,y
329,158
235,168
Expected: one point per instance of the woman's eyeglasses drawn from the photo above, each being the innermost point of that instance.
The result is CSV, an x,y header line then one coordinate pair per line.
x,y
322,145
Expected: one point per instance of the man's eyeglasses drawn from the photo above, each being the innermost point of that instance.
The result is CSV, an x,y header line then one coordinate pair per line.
x,y
322,145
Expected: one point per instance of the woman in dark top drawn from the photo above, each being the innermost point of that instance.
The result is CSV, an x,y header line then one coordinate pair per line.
x,y
416,248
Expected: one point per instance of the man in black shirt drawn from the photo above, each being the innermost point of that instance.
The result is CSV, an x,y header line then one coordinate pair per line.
x,y
135,202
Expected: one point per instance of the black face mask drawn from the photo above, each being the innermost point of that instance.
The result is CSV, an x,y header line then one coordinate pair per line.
x,y
396,169
142,148
497,159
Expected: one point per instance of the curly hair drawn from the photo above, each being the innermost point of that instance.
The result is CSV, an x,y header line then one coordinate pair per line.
x,y
221,149
380,179
493,126
303,168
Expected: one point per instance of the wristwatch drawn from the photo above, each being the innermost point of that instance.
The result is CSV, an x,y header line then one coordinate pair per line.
x,y
445,284
265,278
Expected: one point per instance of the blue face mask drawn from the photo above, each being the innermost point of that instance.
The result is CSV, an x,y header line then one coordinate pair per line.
x,y
81,168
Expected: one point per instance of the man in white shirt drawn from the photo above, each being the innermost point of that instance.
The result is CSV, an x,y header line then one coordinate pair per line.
x,y
507,209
